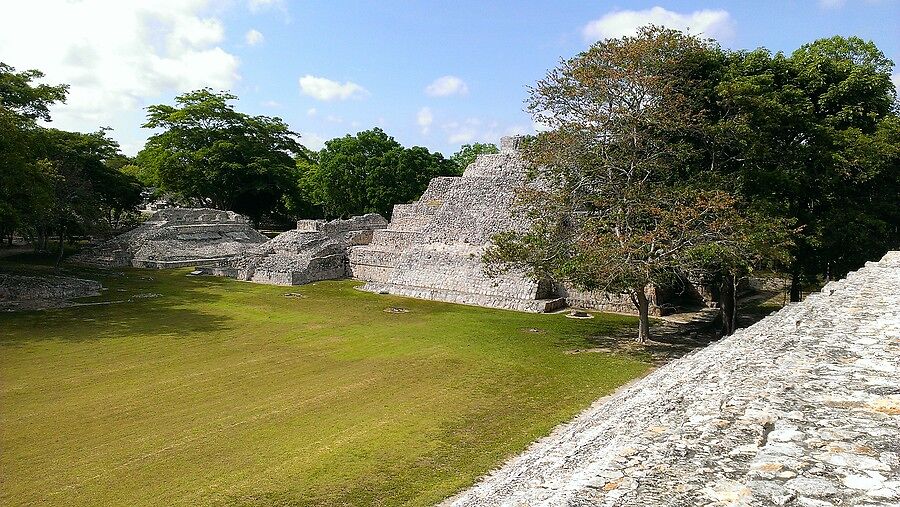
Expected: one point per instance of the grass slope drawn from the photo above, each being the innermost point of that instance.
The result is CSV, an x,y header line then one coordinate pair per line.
x,y
227,393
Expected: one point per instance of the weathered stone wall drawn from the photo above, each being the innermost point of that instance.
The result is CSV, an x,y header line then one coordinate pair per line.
x,y
316,250
801,409
177,237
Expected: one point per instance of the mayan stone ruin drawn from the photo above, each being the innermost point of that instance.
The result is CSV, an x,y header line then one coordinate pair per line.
x,y
177,237
26,292
802,408
315,250
433,247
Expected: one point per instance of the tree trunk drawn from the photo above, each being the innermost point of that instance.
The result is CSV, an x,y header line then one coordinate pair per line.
x,y
643,306
729,304
795,286
62,236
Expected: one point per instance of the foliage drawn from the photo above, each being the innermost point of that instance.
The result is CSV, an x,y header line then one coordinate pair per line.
x,y
623,195
469,152
52,181
814,137
369,173
210,152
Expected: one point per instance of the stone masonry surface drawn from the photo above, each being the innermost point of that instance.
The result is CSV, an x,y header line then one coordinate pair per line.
x,y
23,292
315,250
177,237
800,409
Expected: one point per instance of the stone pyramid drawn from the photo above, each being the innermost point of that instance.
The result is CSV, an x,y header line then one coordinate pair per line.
x,y
432,248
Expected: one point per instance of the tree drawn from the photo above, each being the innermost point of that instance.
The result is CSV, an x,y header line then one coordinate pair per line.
x,y
814,136
622,196
370,172
86,191
24,184
208,151
469,152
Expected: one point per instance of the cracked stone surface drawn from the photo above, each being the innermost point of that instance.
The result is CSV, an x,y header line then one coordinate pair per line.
x,y
800,409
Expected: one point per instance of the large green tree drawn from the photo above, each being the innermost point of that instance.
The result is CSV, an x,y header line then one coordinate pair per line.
x,y
623,194
24,184
369,173
54,182
814,135
209,152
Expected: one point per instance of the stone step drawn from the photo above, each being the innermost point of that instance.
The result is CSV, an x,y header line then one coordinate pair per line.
x,y
466,298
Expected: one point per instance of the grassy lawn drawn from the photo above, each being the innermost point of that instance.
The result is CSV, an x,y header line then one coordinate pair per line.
x,y
227,393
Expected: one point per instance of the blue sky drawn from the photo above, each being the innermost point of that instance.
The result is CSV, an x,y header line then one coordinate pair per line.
x,y
437,74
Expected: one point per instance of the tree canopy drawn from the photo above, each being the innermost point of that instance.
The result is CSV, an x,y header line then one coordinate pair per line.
x,y
814,136
369,173
53,181
210,152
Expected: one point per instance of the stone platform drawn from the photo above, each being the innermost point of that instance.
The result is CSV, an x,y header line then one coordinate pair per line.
x,y
800,409
315,250
177,237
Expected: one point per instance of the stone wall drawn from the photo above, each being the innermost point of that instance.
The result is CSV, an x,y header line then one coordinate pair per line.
x,y
177,237
800,409
24,292
316,250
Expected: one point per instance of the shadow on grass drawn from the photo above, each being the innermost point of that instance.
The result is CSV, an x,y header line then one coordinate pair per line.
x,y
136,303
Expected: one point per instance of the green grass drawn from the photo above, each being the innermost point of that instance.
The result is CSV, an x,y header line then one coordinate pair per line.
x,y
228,393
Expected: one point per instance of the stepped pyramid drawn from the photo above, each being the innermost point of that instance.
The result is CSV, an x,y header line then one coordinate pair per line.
x,y
432,248
315,250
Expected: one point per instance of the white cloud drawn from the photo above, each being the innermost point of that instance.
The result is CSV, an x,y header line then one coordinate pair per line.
x,y
333,118
117,56
424,118
895,77
325,89
710,23
253,37
445,86
258,5
271,103
312,112
312,141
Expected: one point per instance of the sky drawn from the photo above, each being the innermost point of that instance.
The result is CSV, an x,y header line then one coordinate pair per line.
x,y
430,73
